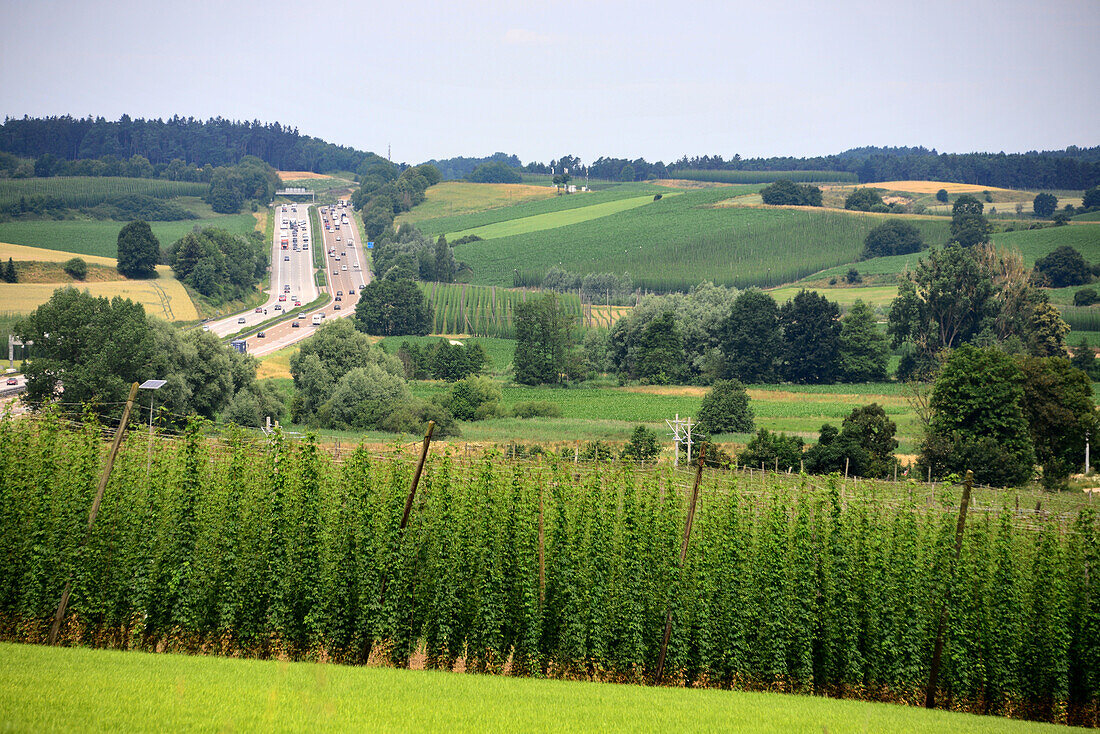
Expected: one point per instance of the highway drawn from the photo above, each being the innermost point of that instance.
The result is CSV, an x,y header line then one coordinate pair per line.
x,y
291,271
343,276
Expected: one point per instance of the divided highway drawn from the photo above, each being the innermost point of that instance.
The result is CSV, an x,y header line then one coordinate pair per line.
x,y
346,270
291,271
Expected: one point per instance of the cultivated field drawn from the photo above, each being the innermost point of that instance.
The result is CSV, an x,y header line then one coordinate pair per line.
x,y
485,214
164,296
763,177
679,241
455,198
45,689
551,568
100,237
81,191
540,222
480,310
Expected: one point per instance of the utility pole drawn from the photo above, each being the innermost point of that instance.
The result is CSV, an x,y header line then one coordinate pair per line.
x,y
681,433
1086,452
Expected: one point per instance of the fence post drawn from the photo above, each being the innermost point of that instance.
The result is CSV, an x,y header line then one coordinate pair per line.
x,y
683,557
60,615
416,476
937,651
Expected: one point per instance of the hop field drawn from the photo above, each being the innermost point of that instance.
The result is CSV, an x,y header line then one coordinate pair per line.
x,y
482,311
87,191
677,242
276,549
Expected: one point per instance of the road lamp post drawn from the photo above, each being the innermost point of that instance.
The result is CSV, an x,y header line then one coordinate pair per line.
x,y
152,386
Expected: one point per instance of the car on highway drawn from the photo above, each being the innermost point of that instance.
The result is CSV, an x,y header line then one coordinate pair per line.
x,y
278,307
339,293
297,303
336,307
259,309
261,335
240,320
301,315
295,324
282,296
286,258
339,298
335,272
344,267
12,381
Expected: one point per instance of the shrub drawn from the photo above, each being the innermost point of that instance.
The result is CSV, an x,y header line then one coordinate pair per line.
x,y
853,277
726,408
1064,267
788,193
863,199
76,268
769,450
536,409
474,398
1044,205
892,237
596,451
1085,297
643,445
941,196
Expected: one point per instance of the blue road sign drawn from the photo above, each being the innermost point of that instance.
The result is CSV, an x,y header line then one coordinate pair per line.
x,y
370,245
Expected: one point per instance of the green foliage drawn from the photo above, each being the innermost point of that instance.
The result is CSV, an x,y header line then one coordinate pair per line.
x,y
784,192
269,546
979,420
9,275
811,338
536,409
482,310
1063,267
138,250
969,227
94,348
750,339
1044,204
1058,405
495,172
726,409
863,199
767,448
1086,297
642,446
474,398
863,352
393,308
892,237
441,360
750,177
250,179
408,254
660,355
218,264
76,268
542,340
864,446
45,194
941,196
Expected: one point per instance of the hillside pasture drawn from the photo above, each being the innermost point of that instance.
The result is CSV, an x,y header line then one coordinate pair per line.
x,y
100,237
455,198
438,225
677,242
553,220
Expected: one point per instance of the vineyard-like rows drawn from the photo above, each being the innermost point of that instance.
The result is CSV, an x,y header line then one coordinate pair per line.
x,y
1081,318
747,177
78,191
549,569
482,310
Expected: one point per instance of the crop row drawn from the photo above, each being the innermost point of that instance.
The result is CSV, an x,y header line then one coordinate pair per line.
x,y
1081,318
460,308
677,242
548,569
84,191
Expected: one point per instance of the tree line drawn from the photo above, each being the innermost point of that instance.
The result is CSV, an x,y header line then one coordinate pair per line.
x,y
195,142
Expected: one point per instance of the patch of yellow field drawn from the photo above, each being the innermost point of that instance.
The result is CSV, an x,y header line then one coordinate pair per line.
x,y
261,220
299,175
276,364
931,187
451,198
41,254
164,297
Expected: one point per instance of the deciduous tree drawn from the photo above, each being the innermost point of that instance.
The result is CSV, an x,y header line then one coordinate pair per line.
x,y
138,250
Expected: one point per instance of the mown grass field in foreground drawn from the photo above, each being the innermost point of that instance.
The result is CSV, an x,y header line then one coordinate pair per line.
x,y
71,689
95,237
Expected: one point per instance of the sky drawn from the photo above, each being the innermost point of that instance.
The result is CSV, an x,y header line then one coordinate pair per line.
x,y
626,79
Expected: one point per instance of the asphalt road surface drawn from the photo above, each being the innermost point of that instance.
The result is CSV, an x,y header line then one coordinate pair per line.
x,y
290,267
344,277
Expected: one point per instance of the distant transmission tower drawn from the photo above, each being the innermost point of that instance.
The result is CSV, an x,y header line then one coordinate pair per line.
x,y
389,153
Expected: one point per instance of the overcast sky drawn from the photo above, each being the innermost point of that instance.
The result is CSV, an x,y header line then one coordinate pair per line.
x,y
589,78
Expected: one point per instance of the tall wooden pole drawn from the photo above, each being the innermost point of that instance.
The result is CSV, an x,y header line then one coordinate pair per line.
x,y
60,615
416,476
683,557
937,650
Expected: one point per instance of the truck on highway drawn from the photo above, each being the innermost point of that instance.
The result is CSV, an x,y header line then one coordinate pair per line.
x,y
240,345
316,319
